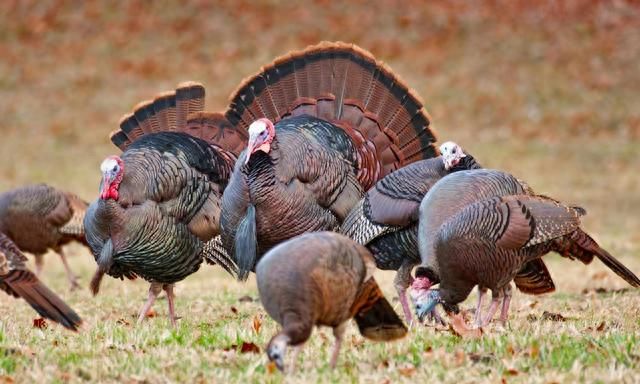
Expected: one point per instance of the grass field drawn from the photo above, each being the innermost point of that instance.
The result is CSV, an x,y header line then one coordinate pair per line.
x,y
548,92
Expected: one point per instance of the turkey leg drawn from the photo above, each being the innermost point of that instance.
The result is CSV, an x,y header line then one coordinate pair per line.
x,y
477,319
73,279
401,282
39,264
168,288
154,291
504,313
338,333
492,310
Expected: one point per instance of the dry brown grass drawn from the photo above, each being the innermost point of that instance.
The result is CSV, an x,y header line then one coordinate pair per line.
x,y
547,91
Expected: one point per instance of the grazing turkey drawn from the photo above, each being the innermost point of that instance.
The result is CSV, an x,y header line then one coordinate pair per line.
x,y
158,212
39,217
18,281
491,235
386,219
324,125
322,278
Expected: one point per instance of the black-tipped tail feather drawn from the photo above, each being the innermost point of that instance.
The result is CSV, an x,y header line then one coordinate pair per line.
x,y
26,285
246,244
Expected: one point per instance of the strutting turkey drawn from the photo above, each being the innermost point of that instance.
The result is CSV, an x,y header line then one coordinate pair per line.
x,y
486,225
322,278
18,281
324,125
158,212
386,219
39,217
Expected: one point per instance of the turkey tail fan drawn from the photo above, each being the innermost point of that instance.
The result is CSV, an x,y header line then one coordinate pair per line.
x,y
48,305
215,253
246,244
586,243
179,111
214,128
534,278
374,315
346,85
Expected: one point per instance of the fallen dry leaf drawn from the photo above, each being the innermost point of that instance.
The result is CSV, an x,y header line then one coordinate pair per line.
x,y
249,348
407,371
599,275
151,313
512,372
122,322
234,310
271,367
246,299
601,327
458,327
6,380
257,324
552,316
40,323
480,358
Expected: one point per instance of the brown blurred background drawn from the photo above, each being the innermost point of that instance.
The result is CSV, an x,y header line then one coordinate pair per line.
x,y
548,90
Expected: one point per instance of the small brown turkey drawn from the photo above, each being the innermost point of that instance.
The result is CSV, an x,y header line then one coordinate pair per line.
x,y
490,237
322,278
18,281
39,217
324,125
158,212
386,219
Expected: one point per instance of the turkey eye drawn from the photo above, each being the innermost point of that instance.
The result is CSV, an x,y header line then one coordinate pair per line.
x,y
453,151
115,169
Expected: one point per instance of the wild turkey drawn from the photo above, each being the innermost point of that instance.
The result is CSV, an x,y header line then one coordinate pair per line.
x,y
39,217
18,281
158,211
386,219
491,235
324,125
322,278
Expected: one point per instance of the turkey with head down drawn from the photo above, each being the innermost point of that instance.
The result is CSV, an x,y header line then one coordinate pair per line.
x,y
18,281
159,207
324,125
386,219
38,218
481,227
322,278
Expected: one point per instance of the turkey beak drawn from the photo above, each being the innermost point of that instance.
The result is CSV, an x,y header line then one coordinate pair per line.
x,y
251,147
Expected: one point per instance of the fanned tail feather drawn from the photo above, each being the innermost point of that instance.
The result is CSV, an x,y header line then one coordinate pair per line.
x,y
27,286
347,86
179,111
